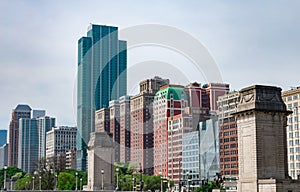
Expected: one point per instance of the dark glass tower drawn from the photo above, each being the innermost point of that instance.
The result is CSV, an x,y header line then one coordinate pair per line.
x,y
102,63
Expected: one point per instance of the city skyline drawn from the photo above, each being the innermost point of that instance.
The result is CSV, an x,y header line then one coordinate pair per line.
x,y
247,40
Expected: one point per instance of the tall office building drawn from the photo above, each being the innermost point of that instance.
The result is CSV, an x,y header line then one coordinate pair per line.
x,y
292,101
21,111
102,63
227,105
3,137
32,149
169,101
28,145
45,124
141,123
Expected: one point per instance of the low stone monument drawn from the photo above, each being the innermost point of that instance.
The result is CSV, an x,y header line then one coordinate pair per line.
x,y
262,120
100,162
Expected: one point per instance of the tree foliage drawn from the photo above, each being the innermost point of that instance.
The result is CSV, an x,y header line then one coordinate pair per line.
x,y
129,177
10,173
208,187
24,183
66,181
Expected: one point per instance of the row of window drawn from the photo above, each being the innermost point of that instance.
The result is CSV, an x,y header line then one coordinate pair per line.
x,y
292,157
290,98
291,127
225,140
228,159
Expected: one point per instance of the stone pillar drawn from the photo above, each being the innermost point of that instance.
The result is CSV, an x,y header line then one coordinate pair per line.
x,y
261,120
100,157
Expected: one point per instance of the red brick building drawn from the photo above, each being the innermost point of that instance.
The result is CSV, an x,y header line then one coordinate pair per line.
x,y
228,137
177,126
169,101
141,123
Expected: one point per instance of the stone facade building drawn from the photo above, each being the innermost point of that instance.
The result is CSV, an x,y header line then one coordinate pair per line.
x,y
292,101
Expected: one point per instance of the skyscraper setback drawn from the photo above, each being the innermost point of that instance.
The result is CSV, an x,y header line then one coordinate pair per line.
x,y
102,63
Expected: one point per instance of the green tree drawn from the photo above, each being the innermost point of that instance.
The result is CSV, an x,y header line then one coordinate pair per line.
x,y
208,187
10,172
24,183
66,181
81,175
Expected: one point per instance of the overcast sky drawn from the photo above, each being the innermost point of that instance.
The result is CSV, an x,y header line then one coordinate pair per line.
x,y
252,43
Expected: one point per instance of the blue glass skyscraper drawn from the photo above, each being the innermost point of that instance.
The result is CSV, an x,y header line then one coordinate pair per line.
x,y
3,137
102,63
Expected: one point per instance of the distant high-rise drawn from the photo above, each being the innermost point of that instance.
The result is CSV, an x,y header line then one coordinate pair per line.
x,y
38,113
21,111
32,140
3,137
102,63
28,145
44,124
59,141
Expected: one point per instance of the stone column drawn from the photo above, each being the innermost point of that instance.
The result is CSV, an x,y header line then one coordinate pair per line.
x,y
261,120
100,157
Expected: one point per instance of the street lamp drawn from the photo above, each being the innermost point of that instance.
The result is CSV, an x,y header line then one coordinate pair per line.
x,y
33,183
133,182
117,170
102,173
80,184
55,187
40,177
5,168
76,188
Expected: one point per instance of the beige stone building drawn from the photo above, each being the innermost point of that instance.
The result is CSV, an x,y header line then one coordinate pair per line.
x,y
292,100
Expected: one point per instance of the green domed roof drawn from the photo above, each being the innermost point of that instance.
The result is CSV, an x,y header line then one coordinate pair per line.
x,y
178,93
